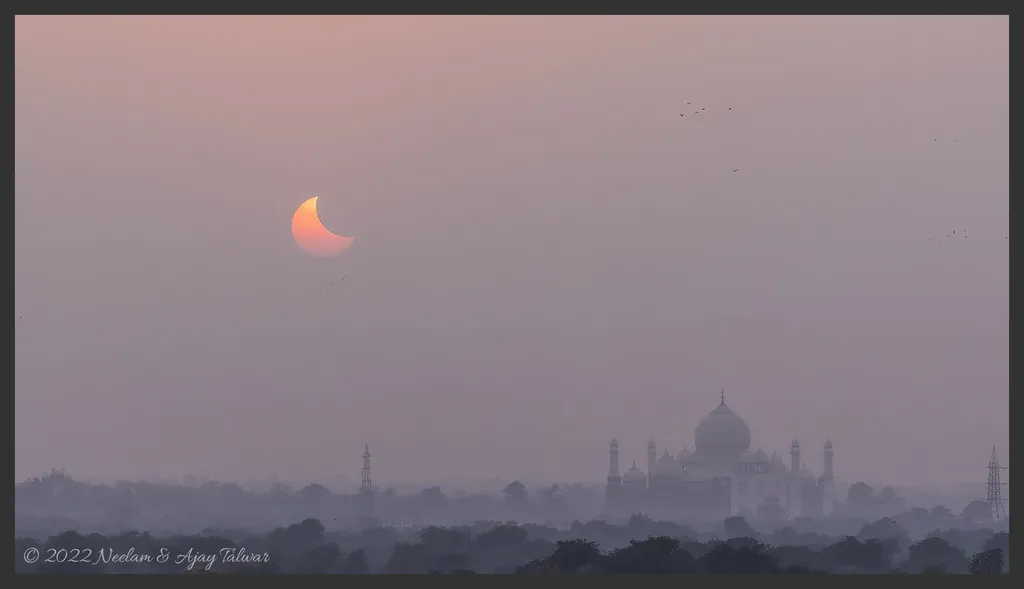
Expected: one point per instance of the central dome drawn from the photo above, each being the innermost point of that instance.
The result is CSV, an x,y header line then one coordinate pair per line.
x,y
722,432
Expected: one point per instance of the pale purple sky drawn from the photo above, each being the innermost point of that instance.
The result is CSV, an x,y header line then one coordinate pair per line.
x,y
547,255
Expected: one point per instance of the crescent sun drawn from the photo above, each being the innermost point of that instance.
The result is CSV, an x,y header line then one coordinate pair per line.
x,y
311,235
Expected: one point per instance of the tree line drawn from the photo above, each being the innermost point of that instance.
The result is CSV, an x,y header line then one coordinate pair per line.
x,y
640,546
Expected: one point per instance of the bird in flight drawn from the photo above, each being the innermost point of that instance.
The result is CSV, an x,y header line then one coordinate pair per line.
x,y
702,108
730,108
689,103
735,169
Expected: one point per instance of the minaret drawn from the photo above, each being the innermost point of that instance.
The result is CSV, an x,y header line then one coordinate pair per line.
x,y
614,487
613,463
828,459
794,457
652,455
795,481
827,480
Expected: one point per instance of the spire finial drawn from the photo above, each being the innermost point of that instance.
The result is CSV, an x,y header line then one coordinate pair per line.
x,y
723,395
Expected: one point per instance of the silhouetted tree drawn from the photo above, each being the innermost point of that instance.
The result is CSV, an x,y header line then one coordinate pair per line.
x,y
934,555
571,555
323,559
315,493
1000,540
942,515
723,559
501,537
989,562
408,559
737,527
977,513
887,531
655,555
850,555
444,540
515,491
354,563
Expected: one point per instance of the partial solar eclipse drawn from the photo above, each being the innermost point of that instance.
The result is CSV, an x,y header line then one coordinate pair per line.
x,y
311,235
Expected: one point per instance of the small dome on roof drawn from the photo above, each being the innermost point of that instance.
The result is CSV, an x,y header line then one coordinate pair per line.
x,y
760,456
634,475
685,455
667,466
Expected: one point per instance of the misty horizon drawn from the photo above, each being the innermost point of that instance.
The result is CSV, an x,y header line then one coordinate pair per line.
x,y
546,254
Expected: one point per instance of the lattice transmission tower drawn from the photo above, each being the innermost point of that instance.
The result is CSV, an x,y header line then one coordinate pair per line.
x,y
994,497
365,486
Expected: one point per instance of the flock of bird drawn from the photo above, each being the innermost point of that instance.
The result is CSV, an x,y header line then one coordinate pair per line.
x,y
953,235
702,110
696,112
949,236
333,284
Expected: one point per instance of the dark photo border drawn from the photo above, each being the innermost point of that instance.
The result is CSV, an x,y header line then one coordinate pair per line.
x,y
500,7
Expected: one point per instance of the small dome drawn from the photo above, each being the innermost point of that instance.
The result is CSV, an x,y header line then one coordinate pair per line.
x,y
747,456
634,475
667,466
722,431
760,456
685,455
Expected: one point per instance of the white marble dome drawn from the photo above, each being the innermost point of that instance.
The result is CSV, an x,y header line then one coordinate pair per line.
x,y
722,432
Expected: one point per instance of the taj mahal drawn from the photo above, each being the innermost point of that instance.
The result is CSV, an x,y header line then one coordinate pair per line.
x,y
720,477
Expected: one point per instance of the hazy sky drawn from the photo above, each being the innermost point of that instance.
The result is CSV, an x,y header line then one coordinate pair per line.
x,y
547,255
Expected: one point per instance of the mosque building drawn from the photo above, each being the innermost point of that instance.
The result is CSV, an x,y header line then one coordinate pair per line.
x,y
720,477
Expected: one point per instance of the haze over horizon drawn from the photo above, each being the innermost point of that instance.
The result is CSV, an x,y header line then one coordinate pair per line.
x,y
546,254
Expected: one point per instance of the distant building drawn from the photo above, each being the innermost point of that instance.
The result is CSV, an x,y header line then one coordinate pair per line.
x,y
721,477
